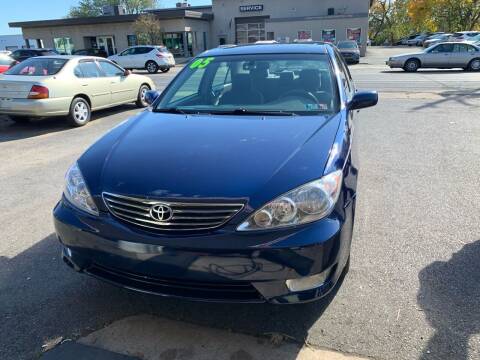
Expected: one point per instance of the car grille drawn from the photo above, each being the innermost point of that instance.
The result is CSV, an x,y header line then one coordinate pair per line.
x,y
238,291
186,216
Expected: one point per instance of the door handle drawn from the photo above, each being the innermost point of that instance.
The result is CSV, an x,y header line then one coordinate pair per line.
x,y
84,84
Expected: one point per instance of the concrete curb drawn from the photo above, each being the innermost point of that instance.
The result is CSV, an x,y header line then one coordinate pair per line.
x,y
148,337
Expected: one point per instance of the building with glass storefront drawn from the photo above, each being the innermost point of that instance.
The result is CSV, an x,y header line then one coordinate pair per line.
x,y
188,30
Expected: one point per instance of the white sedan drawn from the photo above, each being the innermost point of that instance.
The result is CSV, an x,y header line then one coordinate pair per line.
x,y
441,56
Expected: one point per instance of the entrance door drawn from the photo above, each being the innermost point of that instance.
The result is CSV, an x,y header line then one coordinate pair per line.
x,y
106,43
250,29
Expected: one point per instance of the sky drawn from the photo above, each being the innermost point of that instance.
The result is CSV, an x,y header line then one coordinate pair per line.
x,y
49,9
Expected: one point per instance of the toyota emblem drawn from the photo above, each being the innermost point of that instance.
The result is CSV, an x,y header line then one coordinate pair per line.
x,y
161,213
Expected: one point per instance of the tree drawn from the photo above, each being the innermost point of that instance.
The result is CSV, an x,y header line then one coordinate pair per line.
x,y
148,30
446,15
87,8
389,21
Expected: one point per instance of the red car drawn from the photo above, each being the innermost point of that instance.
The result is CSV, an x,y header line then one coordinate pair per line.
x,y
6,62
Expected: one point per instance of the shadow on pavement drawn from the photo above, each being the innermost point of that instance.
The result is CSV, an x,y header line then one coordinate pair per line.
x,y
42,299
461,98
423,71
10,131
450,296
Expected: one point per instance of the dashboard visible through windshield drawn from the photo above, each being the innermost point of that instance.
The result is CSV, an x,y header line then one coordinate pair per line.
x,y
282,84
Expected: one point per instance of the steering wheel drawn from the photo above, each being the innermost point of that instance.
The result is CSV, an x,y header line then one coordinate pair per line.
x,y
301,93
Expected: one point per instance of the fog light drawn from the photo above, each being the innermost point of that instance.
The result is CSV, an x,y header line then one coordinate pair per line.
x,y
308,282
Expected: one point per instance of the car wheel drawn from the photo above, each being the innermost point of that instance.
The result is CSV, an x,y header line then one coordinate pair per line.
x,y
141,103
474,65
165,69
411,65
20,119
79,113
151,67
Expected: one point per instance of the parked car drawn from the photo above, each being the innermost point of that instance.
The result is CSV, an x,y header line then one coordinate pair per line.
x,y
417,41
463,36
237,185
24,54
5,52
6,62
404,41
436,39
71,86
152,58
350,51
474,40
444,55
91,52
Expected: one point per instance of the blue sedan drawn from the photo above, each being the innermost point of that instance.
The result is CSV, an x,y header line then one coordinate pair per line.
x,y
237,184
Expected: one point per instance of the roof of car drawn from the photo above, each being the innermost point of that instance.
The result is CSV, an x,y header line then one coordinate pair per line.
x,y
453,42
302,48
70,57
41,49
135,46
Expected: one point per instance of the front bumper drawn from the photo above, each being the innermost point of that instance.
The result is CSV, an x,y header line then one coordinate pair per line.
x,y
35,107
394,63
222,266
166,63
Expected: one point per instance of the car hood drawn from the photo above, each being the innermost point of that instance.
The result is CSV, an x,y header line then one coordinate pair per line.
x,y
173,156
406,55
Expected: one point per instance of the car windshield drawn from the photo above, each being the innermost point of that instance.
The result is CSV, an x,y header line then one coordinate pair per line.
x,y
38,67
347,45
162,49
283,84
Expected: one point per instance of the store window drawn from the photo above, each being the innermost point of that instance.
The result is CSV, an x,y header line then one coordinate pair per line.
x,y
174,43
132,40
250,32
64,45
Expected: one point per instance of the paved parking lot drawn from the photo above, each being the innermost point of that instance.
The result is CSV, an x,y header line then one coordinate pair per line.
x,y
414,286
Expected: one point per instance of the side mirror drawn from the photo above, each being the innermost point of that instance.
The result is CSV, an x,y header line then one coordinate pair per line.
x,y
127,72
363,99
151,96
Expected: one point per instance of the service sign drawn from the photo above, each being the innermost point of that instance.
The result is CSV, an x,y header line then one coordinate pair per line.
x,y
250,8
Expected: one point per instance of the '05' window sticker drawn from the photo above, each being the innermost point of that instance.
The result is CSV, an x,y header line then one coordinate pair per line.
x,y
201,63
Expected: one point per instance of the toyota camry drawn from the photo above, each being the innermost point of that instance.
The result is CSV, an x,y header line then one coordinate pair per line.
x,y
236,184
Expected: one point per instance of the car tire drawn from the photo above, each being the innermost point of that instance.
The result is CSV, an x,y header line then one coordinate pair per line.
x,y
19,119
474,65
165,69
79,113
141,103
411,65
151,67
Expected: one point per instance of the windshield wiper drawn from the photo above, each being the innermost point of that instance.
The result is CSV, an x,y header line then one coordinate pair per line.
x,y
243,111
174,110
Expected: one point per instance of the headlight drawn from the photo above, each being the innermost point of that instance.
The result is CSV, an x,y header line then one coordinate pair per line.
x,y
76,191
307,203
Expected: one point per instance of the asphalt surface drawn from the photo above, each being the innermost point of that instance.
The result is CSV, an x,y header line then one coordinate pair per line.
x,y
414,286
